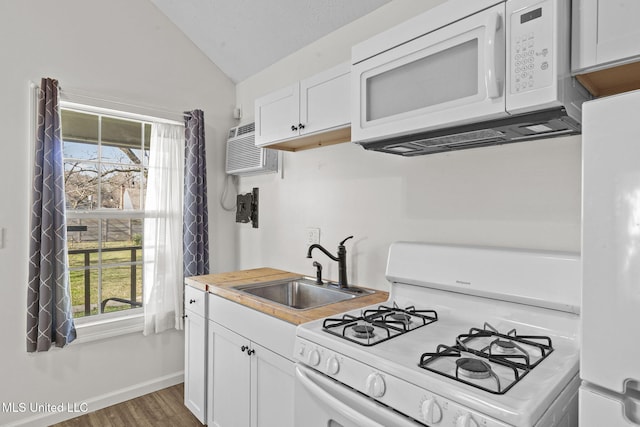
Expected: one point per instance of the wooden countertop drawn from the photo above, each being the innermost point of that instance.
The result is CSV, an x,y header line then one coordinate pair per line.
x,y
222,284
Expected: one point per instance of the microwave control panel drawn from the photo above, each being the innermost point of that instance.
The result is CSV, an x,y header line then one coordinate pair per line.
x,y
532,43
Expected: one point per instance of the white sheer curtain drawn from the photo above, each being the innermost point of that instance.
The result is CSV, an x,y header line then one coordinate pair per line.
x,y
163,278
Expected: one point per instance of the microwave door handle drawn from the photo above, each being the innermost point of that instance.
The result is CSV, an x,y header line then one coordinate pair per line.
x,y
491,76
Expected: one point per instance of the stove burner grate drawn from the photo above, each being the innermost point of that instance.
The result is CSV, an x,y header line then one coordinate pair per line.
x,y
385,323
472,370
510,346
474,365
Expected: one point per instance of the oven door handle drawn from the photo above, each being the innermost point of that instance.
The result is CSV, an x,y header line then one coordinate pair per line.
x,y
326,397
343,401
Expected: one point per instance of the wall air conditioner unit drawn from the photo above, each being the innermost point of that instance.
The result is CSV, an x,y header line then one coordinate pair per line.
x,y
244,158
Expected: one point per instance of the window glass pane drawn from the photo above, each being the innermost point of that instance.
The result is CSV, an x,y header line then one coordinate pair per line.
x,y
79,127
120,187
122,155
424,82
82,242
119,140
81,281
106,161
122,240
81,185
120,286
80,150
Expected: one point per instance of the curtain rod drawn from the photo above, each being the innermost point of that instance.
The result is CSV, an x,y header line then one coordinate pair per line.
x,y
76,96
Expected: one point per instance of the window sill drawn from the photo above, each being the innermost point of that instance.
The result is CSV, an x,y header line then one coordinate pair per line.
x,y
89,330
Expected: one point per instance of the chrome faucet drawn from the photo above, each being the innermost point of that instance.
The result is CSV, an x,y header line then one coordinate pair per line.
x,y
341,258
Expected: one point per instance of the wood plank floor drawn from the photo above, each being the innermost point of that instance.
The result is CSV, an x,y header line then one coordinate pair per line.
x,y
162,408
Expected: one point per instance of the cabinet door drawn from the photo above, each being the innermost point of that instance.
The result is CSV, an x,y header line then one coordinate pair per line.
x,y
231,378
277,115
195,335
605,32
325,100
272,382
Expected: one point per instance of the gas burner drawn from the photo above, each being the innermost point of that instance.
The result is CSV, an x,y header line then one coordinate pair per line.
x,y
363,331
504,346
401,317
473,368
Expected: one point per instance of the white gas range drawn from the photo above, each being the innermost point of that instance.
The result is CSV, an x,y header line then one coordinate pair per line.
x,y
469,337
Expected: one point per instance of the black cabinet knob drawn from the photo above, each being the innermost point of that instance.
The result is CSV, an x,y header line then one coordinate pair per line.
x,y
294,128
301,126
244,348
250,352
191,301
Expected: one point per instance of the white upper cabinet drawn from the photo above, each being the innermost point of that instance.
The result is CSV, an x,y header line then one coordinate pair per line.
x,y
305,114
324,100
605,33
278,115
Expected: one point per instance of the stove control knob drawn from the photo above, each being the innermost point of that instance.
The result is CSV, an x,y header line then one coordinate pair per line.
x,y
375,385
314,358
431,411
333,366
466,420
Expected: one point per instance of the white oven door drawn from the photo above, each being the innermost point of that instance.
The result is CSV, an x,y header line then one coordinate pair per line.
x,y
453,75
322,402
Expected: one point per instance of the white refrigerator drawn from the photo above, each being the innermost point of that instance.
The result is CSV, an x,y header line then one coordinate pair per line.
x,y
610,357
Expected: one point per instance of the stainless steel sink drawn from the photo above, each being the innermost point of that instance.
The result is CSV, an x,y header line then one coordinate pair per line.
x,y
301,294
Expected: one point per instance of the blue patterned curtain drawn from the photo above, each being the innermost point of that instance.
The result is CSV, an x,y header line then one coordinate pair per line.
x,y
195,217
49,317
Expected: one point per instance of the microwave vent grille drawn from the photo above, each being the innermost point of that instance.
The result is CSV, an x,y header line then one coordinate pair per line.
x,y
527,127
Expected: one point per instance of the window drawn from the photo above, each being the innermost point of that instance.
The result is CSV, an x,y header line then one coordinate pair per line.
x,y
106,166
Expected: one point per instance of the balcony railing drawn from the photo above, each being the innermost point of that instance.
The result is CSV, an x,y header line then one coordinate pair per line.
x,y
87,276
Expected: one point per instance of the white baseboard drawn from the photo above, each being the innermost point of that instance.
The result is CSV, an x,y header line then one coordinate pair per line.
x,y
98,402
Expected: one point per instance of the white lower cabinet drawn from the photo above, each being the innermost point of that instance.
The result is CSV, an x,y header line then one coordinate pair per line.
x,y
195,352
231,370
252,386
250,381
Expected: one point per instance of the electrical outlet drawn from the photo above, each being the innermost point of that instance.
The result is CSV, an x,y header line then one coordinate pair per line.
x,y
313,236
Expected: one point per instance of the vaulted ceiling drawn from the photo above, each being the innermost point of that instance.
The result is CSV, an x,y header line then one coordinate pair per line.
x,y
243,37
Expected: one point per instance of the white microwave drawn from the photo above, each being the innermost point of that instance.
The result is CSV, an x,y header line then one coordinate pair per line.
x,y
466,74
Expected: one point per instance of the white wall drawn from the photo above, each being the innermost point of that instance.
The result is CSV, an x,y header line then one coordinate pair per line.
x,y
124,50
524,195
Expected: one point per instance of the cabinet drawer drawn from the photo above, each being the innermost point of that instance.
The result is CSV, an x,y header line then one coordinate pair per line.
x,y
268,331
195,301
